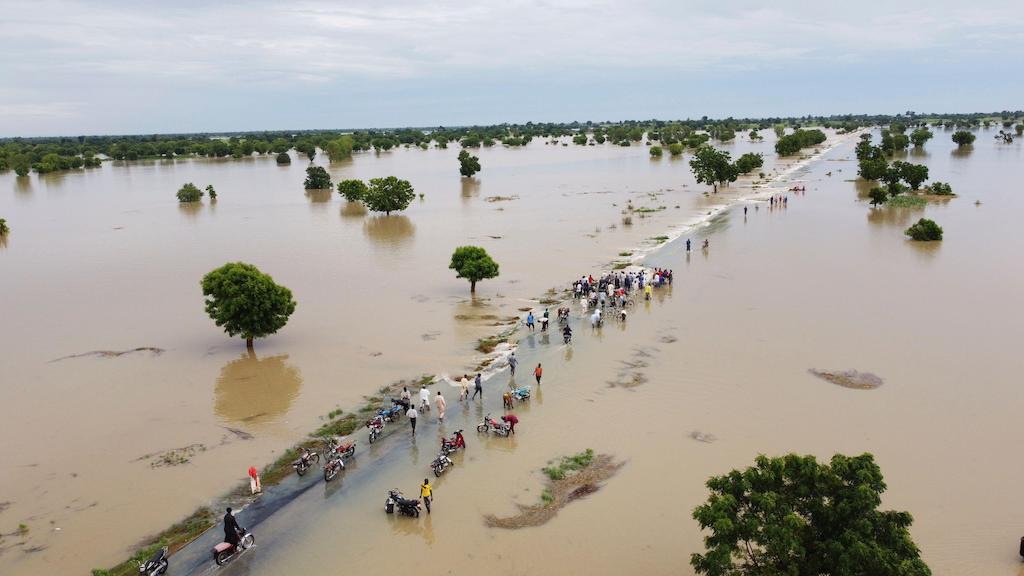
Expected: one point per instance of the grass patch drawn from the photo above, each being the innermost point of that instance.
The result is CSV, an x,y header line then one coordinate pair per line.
x,y
620,265
546,496
174,538
340,427
487,345
570,464
660,239
624,254
646,210
906,201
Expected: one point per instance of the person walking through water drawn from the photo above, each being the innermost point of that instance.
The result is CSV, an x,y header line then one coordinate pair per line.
x,y
464,384
441,406
512,362
412,414
231,528
427,493
478,387
687,244
537,373
529,320
424,399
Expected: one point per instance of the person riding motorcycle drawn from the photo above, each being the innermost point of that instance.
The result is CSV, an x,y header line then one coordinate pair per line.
x,y
567,333
231,529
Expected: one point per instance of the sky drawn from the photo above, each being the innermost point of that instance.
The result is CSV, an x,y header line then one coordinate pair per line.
x,y
140,67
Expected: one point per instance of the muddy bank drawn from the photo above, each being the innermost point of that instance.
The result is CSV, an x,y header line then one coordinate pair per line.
x,y
849,378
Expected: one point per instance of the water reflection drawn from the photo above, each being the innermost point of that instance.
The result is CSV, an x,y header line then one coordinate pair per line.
x,y
470,188
889,216
23,187
391,231
190,209
254,390
404,526
919,153
353,210
925,251
319,196
961,152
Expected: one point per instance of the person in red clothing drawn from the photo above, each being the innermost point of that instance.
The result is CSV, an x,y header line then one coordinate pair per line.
x,y
511,420
254,480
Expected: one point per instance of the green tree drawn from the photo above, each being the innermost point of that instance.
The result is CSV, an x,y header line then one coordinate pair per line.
x,y
940,189
913,174
878,195
793,516
4,228
580,139
468,164
189,193
283,158
711,166
474,264
793,143
924,230
211,192
675,148
246,302
339,148
655,151
352,190
749,162
21,164
755,135
388,194
317,178
920,136
963,138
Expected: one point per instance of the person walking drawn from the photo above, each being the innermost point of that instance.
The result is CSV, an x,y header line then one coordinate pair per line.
x,y
441,406
512,362
687,244
424,399
254,480
537,373
464,383
529,320
478,387
412,414
427,493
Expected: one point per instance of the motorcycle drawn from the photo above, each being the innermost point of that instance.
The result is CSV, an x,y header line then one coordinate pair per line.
x,y
156,565
406,507
304,461
441,463
225,550
391,414
521,393
491,425
567,336
451,445
376,426
335,455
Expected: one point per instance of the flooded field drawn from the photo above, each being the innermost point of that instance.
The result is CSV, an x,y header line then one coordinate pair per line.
x,y
107,260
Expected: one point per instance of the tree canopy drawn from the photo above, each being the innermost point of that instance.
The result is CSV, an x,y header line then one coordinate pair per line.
x,y
211,192
794,516
474,264
283,158
317,178
913,174
963,138
924,230
352,190
792,143
246,302
4,228
468,164
711,166
189,193
340,148
920,136
388,194
749,162
655,151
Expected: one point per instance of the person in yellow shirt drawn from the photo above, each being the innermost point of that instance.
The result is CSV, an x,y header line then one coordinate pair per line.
x,y
647,291
426,492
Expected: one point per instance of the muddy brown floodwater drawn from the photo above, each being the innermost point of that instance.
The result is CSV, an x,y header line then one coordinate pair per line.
x,y
106,260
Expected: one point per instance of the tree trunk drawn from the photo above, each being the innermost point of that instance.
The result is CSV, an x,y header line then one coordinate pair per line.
x,y
248,343
472,286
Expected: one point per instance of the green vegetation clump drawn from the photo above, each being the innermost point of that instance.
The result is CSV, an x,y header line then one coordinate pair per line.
x,y
675,149
792,143
4,228
963,138
646,210
749,162
655,151
474,264
468,164
913,174
905,201
339,148
920,136
352,190
878,195
712,166
283,158
569,464
660,239
211,192
388,194
174,538
317,178
246,302
925,230
794,515
940,189
189,193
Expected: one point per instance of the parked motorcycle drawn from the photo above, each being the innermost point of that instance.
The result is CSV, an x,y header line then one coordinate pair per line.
x,y
225,550
156,565
491,425
441,463
406,507
521,393
391,414
305,460
376,426
454,443
334,456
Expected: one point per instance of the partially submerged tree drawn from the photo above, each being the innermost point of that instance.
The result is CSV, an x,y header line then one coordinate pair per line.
x,y
711,166
246,302
352,190
749,162
189,193
920,136
675,148
211,192
924,230
283,158
913,174
878,195
339,148
474,264
655,151
792,515
4,228
317,178
388,194
468,164
963,138
940,189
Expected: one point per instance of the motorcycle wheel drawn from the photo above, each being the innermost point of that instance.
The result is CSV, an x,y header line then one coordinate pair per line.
x,y
247,541
301,470
481,428
221,557
162,568
373,436
315,457
437,471
330,471
350,452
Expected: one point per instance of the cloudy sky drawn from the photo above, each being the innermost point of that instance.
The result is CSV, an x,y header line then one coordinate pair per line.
x,y
140,66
